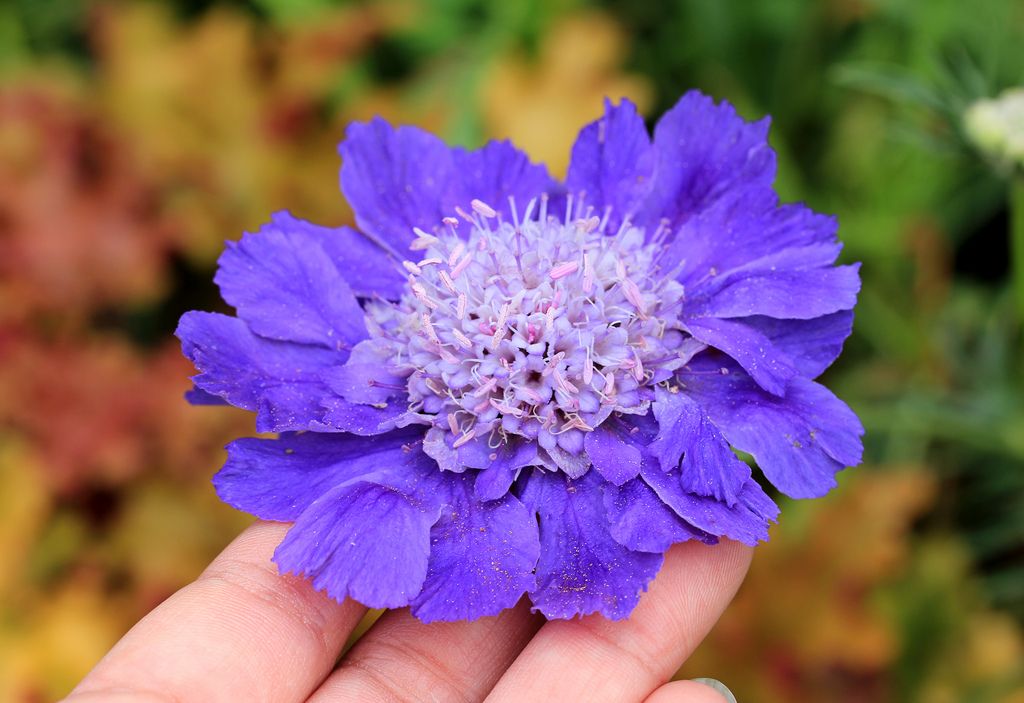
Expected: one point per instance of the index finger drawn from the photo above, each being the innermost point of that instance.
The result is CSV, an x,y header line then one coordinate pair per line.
x,y
240,632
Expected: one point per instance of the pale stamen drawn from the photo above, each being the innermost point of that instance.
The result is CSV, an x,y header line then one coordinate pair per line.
x,y
462,339
562,269
464,439
461,266
483,208
446,280
456,253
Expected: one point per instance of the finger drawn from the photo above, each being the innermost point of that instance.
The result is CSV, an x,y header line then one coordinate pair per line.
x,y
400,658
240,632
595,659
686,692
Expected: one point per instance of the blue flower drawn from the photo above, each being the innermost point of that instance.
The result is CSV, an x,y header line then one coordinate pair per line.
x,y
502,385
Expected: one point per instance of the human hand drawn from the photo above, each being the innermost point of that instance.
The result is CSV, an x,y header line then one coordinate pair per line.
x,y
243,632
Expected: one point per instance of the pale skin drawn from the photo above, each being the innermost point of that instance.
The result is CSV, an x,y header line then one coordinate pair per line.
x,y
242,632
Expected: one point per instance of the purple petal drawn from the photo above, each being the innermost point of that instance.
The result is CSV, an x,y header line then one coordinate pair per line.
x,y
812,345
399,178
365,384
476,453
496,172
362,540
748,230
482,556
495,480
796,295
640,521
344,416
800,441
690,441
614,458
279,380
197,396
704,150
751,349
395,179
582,569
746,521
744,255
285,287
437,443
277,479
612,162
367,267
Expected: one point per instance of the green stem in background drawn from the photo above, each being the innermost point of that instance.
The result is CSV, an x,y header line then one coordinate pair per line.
x,y
1017,239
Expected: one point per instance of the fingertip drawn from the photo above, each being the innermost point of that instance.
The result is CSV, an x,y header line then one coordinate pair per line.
x,y
729,557
690,692
699,573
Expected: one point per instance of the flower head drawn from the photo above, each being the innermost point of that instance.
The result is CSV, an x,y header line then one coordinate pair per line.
x,y
502,385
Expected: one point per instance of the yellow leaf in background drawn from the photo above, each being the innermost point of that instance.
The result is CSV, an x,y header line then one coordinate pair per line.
x,y
230,121
24,505
50,644
971,647
808,597
168,534
994,645
179,91
541,104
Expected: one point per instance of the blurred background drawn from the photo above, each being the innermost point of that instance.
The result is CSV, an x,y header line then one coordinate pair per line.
x,y
135,137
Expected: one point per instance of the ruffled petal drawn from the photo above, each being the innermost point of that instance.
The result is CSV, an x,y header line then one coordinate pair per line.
x,y
341,415
792,295
365,384
482,556
367,267
197,396
800,441
582,569
745,256
437,443
749,347
612,163
704,150
748,229
688,440
495,480
640,521
746,521
499,171
364,540
285,287
395,179
278,479
810,345
614,458
279,380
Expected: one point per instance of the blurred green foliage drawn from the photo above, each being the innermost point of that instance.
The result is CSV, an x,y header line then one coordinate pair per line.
x,y
136,136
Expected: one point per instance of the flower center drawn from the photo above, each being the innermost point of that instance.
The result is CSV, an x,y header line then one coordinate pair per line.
x,y
541,327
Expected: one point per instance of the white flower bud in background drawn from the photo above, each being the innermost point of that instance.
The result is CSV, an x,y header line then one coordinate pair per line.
x,y
996,127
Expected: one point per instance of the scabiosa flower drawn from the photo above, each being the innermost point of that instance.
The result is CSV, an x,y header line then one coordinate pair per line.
x,y
502,385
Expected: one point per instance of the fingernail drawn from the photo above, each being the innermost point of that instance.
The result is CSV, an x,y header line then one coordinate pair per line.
x,y
718,686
